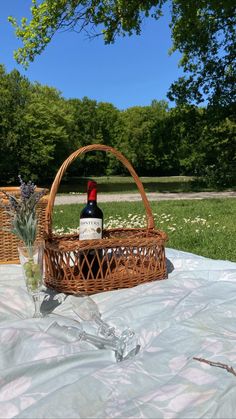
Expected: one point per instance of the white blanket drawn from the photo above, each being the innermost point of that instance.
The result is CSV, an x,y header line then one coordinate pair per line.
x,y
191,314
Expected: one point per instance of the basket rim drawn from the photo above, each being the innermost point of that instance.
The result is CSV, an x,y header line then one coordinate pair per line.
x,y
17,188
71,241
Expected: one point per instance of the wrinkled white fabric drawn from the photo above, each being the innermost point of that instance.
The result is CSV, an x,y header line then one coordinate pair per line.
x,y
191,314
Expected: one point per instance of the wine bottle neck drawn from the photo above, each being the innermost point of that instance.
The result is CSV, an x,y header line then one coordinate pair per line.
x,y
92,195
92,202
92,191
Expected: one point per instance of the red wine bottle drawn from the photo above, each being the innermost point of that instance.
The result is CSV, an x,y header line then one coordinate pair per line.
x,y
91,225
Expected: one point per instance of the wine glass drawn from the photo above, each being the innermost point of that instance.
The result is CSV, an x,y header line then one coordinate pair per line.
x,y
31,259
87,309
124,347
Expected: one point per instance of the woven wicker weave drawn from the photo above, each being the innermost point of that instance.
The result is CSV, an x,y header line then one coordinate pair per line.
x,y
8,241
123,258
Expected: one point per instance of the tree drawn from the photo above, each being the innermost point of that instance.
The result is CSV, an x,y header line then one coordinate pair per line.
x,y
92,123
203,31
47,143
141,137
14,96
184,126
217,157
39,129
115,17
35,126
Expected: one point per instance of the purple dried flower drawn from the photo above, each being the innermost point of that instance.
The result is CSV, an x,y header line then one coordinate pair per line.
x,y
22,211
26,189
14,204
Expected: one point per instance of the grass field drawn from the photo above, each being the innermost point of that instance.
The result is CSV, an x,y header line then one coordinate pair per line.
x,y
205,227
125,184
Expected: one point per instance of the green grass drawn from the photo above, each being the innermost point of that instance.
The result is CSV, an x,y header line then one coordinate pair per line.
x,y
124,184
205,227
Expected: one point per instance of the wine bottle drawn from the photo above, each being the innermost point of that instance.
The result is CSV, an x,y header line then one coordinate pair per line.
x,y
91,225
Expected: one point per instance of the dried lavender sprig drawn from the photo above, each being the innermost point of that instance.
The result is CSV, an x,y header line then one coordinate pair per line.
x,y
22,211
13,203
26,189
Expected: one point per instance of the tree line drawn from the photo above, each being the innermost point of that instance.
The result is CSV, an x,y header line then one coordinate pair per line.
x,y
39,129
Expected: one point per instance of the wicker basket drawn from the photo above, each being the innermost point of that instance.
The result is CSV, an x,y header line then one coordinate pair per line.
x,y
8,241
123,258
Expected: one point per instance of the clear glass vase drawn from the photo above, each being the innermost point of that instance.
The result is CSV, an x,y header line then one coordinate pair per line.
x,y
31,259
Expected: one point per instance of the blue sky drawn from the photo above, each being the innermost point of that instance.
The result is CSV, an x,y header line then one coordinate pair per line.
x,y
133,71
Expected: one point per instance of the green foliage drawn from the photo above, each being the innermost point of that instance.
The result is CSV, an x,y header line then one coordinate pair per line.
x,y
39,129
14,96
115,17
203,31
48,124
184,128
92,123
217,165
35,125
145,139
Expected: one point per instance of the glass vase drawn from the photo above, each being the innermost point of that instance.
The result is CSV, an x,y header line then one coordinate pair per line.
x,y
31,259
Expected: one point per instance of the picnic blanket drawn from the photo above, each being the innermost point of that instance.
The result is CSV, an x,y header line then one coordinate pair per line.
x,y
191,314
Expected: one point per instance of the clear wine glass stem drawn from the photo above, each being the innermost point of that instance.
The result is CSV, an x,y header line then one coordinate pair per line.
x,y
99,341
87,310
104,328
79,334
124,347
37,303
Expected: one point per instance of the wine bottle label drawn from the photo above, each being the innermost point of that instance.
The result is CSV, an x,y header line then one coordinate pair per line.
x,y
90,228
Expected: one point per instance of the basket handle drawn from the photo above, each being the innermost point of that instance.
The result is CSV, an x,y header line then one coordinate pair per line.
x,y
70,159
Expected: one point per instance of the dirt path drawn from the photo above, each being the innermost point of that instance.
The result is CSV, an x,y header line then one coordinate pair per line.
x,y
81,198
